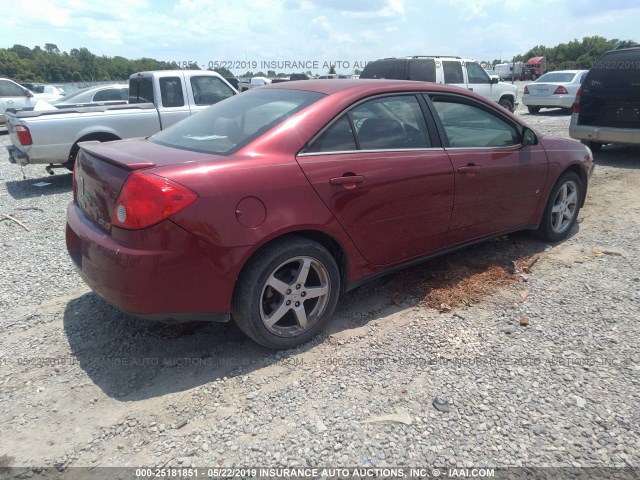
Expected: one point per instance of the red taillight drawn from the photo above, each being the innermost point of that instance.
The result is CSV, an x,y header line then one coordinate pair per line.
x,y
146,199
74,184
24,135
560,90
576,102
526,90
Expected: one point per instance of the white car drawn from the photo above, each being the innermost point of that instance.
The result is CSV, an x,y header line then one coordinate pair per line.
x,y
115,94
14,96
553,90
47,92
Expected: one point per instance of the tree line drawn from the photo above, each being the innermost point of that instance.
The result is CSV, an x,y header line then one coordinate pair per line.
x,y
574,55
50,65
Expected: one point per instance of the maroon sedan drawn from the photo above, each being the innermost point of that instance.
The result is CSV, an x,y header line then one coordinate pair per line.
x,y
266,206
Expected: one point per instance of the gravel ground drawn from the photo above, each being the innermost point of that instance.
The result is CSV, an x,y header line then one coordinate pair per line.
x,y
391,383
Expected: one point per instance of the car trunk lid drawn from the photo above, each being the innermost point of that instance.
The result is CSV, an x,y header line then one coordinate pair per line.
x,y
102,169
542,88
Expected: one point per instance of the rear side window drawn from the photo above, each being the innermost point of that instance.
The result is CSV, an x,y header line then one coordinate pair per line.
x,y
111,94
171,92
422,69
209,90
452,72
615,70
387,123
141,90
392,68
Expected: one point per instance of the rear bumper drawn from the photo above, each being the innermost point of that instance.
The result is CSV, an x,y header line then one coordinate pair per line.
x,y
16,156
603,134
163,273
560,101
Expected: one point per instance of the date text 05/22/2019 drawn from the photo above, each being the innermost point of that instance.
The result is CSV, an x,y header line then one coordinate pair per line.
x,y
289,65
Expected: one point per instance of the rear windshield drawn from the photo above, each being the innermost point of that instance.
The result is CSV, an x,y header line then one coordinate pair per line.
x,y
558,77
615,70
231,124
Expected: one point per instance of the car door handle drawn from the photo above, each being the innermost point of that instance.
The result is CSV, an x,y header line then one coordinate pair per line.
x,y
470,170
347,181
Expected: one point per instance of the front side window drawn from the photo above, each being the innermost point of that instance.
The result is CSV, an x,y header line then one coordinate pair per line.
x,y
10,89
469,126
387,123
209,90
476,73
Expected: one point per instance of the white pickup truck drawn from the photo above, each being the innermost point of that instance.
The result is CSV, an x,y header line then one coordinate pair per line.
x,y
157,100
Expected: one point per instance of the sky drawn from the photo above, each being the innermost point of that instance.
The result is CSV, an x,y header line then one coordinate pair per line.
x,y
260,34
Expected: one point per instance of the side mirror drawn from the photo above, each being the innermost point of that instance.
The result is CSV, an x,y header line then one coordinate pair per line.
x,y
529,137
494,80
28,93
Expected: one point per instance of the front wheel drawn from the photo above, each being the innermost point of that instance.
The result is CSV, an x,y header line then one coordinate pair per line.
x,y
287,293
562,208
506,103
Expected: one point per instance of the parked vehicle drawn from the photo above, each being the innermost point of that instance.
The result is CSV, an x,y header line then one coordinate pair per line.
x,y
115,94
553,90
267,206
451,70
607,107
508,71
156,100
534,68
47,92
14,96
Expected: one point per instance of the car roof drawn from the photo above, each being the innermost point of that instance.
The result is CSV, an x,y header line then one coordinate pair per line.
x,y
329,86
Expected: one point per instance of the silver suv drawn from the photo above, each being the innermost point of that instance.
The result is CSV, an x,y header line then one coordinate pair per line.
x,y
607,107
462,72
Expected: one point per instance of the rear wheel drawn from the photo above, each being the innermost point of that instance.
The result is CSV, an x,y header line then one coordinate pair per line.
x,y
287,293
562,208
533,109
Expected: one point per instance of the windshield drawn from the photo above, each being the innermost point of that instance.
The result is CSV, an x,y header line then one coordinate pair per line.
x,y
232,123
559,77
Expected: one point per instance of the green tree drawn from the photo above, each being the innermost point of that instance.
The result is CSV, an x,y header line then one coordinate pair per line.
x,y
225,72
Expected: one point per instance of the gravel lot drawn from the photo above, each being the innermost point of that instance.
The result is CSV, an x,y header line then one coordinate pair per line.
x,y
391,383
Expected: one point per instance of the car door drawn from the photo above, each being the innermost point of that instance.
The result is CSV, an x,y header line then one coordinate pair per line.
x,y
379,172
498,181
478,80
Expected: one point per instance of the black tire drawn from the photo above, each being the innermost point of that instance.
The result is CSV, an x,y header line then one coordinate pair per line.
x,y
594,146
563,207
271,287
533,109
506,103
